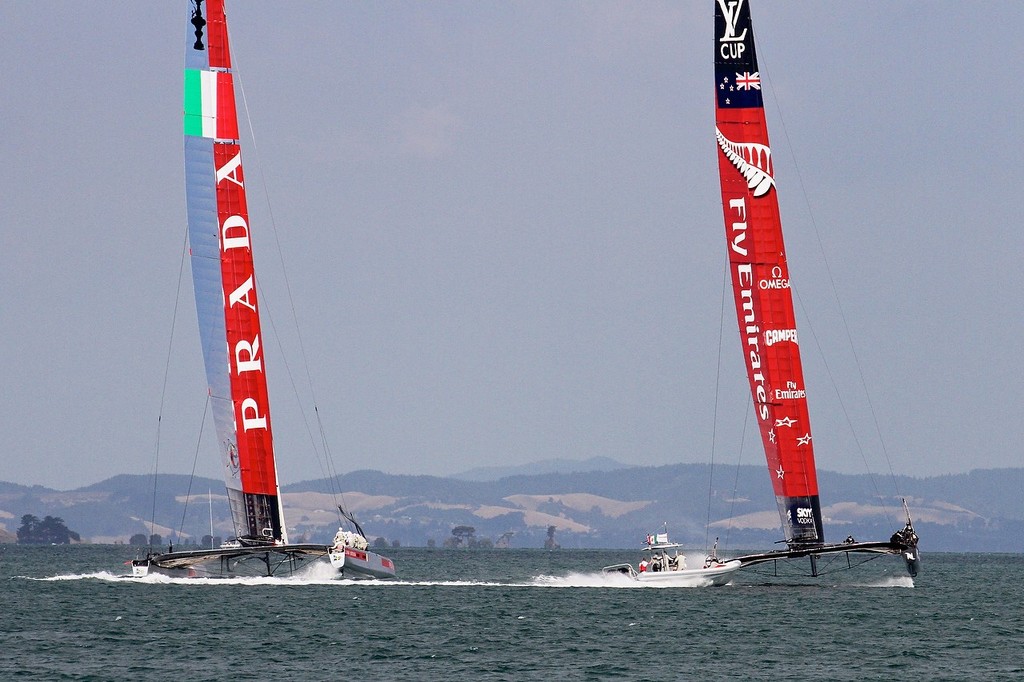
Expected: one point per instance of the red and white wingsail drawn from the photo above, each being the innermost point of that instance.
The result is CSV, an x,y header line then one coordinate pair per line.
x,y
760,275
224,279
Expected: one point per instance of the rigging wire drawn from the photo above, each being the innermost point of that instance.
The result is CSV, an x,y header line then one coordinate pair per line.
x,y
163,389
839,397
839,307
326,466
739,461
714,418
723,323
195,460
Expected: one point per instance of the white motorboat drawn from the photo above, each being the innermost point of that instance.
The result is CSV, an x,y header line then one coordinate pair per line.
x,y
663,563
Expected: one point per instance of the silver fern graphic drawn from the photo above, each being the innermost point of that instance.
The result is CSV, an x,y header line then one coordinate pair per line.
x,y
752,160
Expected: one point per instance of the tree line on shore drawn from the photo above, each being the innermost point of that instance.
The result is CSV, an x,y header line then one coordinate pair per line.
x,y
48,531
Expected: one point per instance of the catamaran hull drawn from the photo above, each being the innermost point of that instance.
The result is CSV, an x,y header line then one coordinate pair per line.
x,y
245,568
234,562
257,565
910,554
356,563
278,561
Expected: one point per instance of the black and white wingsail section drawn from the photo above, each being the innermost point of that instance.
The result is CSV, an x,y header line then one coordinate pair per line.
x,y
829,558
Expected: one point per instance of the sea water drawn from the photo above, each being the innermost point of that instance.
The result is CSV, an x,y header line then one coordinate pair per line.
x,y
70,613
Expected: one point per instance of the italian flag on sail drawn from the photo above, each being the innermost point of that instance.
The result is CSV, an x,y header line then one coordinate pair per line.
x,y
210,104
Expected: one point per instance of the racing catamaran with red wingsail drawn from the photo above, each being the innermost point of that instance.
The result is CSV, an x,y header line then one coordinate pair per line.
x,y
764,303
224,282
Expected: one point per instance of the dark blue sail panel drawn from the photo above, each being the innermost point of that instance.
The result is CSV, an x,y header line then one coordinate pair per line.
x,y
737,79
801,519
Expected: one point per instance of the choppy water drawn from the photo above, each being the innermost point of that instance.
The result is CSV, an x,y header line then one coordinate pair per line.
x,y
67,614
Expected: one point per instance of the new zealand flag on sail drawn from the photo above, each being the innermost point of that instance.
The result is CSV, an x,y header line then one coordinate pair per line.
x,y
737,79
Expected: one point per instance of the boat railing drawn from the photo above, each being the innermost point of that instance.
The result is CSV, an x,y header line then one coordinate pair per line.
x,y
661,547
625,569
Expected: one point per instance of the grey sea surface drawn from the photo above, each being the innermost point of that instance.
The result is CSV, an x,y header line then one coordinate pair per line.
x,y
71,613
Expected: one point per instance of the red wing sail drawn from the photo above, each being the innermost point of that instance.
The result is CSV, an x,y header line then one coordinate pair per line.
x,y
760,276
224,279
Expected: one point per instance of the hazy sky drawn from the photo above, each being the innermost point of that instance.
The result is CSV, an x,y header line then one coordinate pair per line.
x,y
502,232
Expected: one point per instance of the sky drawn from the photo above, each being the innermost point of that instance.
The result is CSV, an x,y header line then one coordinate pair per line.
x,y
490,233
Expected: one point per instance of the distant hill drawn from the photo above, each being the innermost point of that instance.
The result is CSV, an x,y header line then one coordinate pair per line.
x,y
547,466
590,507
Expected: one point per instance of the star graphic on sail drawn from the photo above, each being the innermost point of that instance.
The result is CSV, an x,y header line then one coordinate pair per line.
x,y
724,85
771,435
785,421
804,439
780,473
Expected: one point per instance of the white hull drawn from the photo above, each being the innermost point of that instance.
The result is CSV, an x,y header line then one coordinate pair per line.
x,y
358,563
664,565
716,575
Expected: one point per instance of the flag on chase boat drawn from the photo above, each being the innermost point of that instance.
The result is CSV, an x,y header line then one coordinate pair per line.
x,y
657,538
